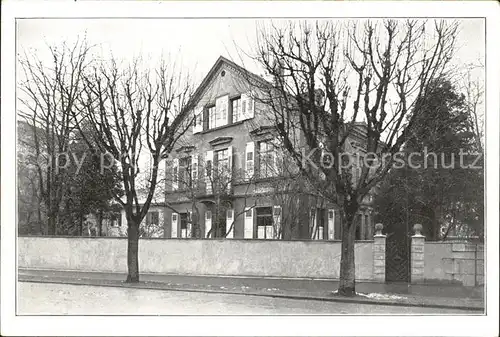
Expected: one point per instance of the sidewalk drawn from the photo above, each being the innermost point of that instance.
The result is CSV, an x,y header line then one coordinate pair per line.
x,y
437,296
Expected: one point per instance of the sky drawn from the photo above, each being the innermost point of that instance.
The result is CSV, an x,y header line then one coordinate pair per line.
x,y
196,43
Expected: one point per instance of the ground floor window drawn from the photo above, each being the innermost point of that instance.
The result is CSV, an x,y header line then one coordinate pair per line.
x,y
264,222
221,224
321,223
152,218
185,225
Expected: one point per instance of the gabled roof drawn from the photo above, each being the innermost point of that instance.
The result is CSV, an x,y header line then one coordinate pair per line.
x,y
214,70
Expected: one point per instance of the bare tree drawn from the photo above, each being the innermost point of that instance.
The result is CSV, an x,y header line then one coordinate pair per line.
x,y
131,109
474,98
48,93
326,76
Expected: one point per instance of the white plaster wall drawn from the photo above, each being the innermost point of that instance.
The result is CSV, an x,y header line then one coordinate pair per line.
x,y
310,259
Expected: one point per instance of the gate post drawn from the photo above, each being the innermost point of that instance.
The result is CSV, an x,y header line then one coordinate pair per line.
x,y
379,254
417,255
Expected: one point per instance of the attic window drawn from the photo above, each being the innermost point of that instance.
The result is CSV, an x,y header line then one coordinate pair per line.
x,y
223,73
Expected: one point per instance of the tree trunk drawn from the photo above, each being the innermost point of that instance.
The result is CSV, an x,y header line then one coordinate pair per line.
x,y
133,251
39,216
51,222
347,267
436,225
80,229
99,222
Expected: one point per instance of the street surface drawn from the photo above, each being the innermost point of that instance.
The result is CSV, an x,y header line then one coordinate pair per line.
x,y
62,299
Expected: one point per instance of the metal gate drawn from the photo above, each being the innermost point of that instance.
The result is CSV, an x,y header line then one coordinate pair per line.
x,y
397,258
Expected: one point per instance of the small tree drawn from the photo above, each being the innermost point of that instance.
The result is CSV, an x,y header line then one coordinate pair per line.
x,y
326,76
130,109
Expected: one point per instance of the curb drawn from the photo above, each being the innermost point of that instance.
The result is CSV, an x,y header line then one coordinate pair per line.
x,y
163,286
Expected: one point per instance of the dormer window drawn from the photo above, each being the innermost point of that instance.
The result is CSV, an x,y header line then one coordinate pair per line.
x,y
235,105
212,117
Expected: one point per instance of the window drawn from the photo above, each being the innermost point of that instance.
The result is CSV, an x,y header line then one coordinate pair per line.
x,y
222,117
184,220
222,160
185,227
267,160
194,170
244,107
321,217
198,120
155,218
212,112
185,171
175,176
152,218
264,222
208,168
235,105
321,223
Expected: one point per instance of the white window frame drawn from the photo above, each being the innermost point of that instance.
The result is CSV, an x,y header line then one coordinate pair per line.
x,y
212,117
237,111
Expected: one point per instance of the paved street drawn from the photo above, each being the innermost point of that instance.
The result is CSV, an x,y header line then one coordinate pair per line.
x,y
45,298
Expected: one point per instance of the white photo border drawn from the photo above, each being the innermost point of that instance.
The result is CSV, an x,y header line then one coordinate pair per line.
x,y
245,325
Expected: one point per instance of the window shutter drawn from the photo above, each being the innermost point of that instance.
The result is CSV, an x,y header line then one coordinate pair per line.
x,y
331,224
194,169
175,174
248,233
314,223
240,109
269,232
189,224
222,106
274,159
247,106
209,159
208,222
206,119
175,219
277,220
198,120
229,222
251,107
249,160
230,165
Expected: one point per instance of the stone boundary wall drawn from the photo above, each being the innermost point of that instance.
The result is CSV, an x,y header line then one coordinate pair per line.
x,y
229,257
454,262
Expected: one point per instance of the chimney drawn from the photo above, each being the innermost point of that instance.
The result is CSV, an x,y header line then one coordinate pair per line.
x,y
319,97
